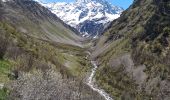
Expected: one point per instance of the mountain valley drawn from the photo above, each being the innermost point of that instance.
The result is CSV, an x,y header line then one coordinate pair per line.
x,y
45,57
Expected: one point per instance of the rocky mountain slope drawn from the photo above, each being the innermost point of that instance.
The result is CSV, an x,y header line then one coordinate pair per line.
x,y
133,54
90,17
37,21
40,57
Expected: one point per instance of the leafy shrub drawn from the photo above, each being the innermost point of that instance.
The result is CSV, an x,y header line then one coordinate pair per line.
x,y
4,70
4,94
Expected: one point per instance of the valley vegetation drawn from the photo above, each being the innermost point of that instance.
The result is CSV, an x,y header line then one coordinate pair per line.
x,y
43,58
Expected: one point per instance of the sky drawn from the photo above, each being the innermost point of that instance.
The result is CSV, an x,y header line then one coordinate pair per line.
x,y
121,3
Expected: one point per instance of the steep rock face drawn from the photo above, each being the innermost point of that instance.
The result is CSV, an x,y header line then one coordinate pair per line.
x,y
83,12
133,54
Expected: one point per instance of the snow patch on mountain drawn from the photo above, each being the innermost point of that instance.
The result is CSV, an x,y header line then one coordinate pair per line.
x,y
78,14
5,0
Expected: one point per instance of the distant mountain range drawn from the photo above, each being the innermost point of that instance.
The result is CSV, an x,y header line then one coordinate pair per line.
x,y
90,17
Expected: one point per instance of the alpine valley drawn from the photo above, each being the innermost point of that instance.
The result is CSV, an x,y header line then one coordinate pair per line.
x,y
46,54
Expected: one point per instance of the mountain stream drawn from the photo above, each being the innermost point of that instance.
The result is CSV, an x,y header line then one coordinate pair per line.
x,y
93,87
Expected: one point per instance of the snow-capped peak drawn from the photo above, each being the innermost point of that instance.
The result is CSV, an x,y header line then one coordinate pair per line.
x,y
5,0
82,1
87,1
77,14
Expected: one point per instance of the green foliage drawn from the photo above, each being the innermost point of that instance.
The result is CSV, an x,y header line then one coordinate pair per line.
x,y
68,59
114,81
4,94
138,30
147,39
5,67
166,30
117,48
